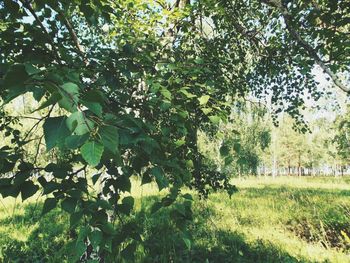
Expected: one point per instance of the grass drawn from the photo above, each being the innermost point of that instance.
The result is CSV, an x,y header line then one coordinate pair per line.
x,y
268,220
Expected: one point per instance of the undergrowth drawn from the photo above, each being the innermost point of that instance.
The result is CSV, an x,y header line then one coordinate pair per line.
x,y
280,220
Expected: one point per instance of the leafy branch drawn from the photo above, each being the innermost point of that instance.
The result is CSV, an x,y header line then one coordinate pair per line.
x,y
312,52
28,6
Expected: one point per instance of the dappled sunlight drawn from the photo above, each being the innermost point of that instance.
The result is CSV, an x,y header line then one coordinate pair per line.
x,y
260,223
332,183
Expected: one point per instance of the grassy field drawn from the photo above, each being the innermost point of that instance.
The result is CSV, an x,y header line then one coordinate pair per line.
x,y
268,220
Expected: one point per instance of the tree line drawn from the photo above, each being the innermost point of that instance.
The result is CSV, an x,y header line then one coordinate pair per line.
x,y
251,145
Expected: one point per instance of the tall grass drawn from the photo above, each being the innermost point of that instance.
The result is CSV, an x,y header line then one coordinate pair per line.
x,y
284,219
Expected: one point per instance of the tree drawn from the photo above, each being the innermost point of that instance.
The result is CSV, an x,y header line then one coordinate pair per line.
x,y
122,88
300,153
293,147
341,139
237,148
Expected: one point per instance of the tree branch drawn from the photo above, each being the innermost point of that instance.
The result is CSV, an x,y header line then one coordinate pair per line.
x,y
73,35
288,20
38,122
27,5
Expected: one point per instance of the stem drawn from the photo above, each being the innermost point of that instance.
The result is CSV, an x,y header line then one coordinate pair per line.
x,y
38,122
37,149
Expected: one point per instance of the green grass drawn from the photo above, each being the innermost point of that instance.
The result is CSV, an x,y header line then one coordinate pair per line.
x,y
268,220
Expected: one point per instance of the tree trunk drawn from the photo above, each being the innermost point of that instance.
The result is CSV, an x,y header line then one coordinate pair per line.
x,y
288,167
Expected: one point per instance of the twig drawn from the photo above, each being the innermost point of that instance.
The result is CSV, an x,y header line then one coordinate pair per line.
x,y
38,122
79,170
37,149
36,205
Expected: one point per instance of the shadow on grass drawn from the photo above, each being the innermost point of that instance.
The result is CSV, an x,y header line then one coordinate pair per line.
x,y
32,238
163,242
223,246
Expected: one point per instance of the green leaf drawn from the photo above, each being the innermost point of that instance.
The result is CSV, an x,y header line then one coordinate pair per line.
x,y
161,180
94,96
204,99
224,150
172,66
14,82
166,93
214,119
75,218
165,105
110,137
95,238
187,94
49,204
94,107
5,181
108,228
228,160
92,152
54,98
188,197
55,131
69,204
11,6
95,177
75,141
28,189
70,96
80,246
237,147
104,204
128,253
199,61
155,207
78,123
123,183
15,77
49,187
31,70
187,242
180,142
146,179
206,111
10,190
127,205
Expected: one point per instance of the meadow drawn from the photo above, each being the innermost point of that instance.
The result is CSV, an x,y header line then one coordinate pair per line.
x,y
285,219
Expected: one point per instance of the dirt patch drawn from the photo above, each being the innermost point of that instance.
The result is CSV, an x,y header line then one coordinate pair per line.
x,y
329,235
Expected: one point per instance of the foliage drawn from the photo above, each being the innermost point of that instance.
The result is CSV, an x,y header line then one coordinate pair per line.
x,y
121,88
238,147
341,137
314,151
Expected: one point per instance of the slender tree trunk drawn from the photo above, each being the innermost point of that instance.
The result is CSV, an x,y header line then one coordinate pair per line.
x,y
288,167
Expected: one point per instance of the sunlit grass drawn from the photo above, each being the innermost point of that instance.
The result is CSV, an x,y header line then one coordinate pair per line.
x,y
285,219
277,211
